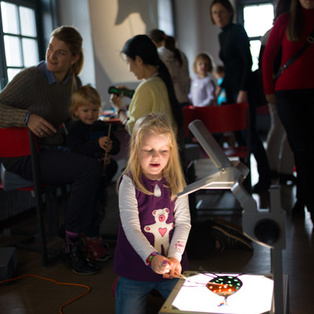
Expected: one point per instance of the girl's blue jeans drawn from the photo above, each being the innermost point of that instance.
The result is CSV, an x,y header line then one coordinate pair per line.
x,y
131,295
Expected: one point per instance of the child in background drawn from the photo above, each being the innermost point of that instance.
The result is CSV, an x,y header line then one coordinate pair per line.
x,y
220,92
154,222
92,137
203,86
221,96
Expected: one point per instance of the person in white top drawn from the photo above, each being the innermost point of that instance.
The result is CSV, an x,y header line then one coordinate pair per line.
x,y
204,84
176,62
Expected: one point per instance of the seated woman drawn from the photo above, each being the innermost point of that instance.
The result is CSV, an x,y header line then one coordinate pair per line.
x,y
39,97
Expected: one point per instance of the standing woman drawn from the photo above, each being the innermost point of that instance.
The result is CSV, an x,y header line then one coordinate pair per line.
x,y
155,93
39,97
234,51
293,91
236,57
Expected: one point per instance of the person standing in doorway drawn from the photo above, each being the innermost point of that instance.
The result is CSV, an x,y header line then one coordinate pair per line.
x,y
236,57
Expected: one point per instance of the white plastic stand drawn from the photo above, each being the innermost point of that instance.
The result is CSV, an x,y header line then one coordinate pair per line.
x,y
265,227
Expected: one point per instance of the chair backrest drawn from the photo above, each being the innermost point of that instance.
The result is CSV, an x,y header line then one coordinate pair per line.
x,y
225,118
14,142
189,115
219,119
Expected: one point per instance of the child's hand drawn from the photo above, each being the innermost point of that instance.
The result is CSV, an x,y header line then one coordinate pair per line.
x,y
174,269
161,265
105,159
105,143
218,91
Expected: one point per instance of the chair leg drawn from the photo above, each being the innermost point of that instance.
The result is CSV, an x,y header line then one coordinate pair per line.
x,y
41,231
65,198
52,212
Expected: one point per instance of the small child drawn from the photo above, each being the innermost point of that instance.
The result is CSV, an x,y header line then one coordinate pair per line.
x,y
203,86
154,222
220,91
92,137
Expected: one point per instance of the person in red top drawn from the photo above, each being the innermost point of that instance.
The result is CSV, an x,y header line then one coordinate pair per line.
x,y
293,91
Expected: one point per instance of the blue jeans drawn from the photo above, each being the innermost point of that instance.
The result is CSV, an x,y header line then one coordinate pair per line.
x,y
131,295
82,172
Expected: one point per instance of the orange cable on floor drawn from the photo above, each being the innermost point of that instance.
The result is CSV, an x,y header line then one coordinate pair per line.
x,y
58,283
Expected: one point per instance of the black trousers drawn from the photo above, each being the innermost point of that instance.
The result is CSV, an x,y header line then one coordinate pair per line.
x,y
82,172
256,144
296,111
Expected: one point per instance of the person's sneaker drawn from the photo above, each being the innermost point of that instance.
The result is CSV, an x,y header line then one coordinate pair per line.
x,y
77,260
96,249
231,239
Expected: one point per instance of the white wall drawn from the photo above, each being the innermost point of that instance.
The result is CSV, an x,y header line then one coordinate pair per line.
x,y
195,32
105,26
76,13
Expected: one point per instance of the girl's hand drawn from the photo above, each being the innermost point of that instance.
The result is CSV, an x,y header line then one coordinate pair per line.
x,y
105,143
161,265
175,268
105,159
39,126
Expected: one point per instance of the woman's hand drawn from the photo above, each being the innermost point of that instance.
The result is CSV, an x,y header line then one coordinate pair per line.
x,y
39,126
116,102
242,96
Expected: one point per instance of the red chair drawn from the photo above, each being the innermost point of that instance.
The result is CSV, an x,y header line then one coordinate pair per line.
x,y
221,119
18,142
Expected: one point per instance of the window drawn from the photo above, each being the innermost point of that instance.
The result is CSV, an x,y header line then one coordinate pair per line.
x,y
165,16
19,38
257,19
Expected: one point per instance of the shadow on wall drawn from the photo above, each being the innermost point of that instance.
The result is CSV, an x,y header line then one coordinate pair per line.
x,y
112,24
146,9
104,82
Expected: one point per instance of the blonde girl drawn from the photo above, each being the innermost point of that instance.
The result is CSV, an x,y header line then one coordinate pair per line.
x,y
154,222
203,84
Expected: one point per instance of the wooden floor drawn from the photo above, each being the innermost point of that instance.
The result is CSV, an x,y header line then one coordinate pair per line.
x,y
40,295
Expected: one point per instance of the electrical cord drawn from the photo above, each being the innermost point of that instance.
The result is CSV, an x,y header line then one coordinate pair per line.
x,y
56,282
